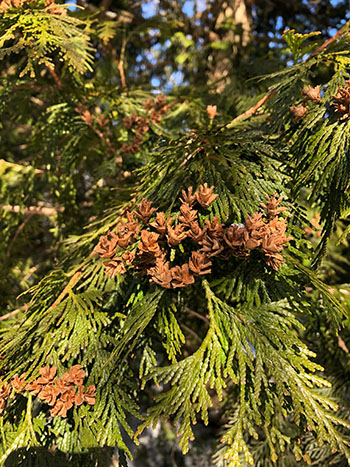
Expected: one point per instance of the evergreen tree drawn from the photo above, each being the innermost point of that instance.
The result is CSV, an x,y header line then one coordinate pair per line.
x,y
164,253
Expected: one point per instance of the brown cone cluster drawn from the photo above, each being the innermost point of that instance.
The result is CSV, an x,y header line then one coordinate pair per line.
x,y
298,111
54,9
99,124
314,228
271,206
6,5
155,109
150,241
60,393
5,391
341,101
126,233
90,118
309,94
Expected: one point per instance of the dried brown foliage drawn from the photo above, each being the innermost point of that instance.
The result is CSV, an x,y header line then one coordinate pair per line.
x,y
60,393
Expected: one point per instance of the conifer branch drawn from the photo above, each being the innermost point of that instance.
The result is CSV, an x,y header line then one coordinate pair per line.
x,y
134,311
252,110
330,40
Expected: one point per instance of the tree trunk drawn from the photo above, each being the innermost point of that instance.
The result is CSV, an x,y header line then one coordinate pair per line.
x,y
233,27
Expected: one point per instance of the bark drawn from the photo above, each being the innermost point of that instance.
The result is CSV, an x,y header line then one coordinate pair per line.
x,y
221,62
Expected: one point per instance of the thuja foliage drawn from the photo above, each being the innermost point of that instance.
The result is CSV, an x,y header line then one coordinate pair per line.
x,y
157,257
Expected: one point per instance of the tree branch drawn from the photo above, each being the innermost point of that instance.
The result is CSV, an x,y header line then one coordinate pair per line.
x,y
329,41
64,292
268,96
105,4
12,313
255,107
55,77
42,210
193,334
197,315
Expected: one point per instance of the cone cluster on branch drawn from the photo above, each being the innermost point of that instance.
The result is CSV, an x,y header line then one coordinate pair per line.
x,y
155,108
309,94
54,9
89,118
341,101
60,393
6,5
151,240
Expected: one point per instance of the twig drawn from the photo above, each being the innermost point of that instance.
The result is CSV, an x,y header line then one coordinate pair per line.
x,y
120,62
64,292
55,77
329,41
12,313
194,334
105,4
99,133
22,87
122,74
255,107
19,230
197,315
103,138
42,210
342,345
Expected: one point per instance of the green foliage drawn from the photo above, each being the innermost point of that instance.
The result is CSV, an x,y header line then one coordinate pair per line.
x,y
242,340
318,143
296,44
41,34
